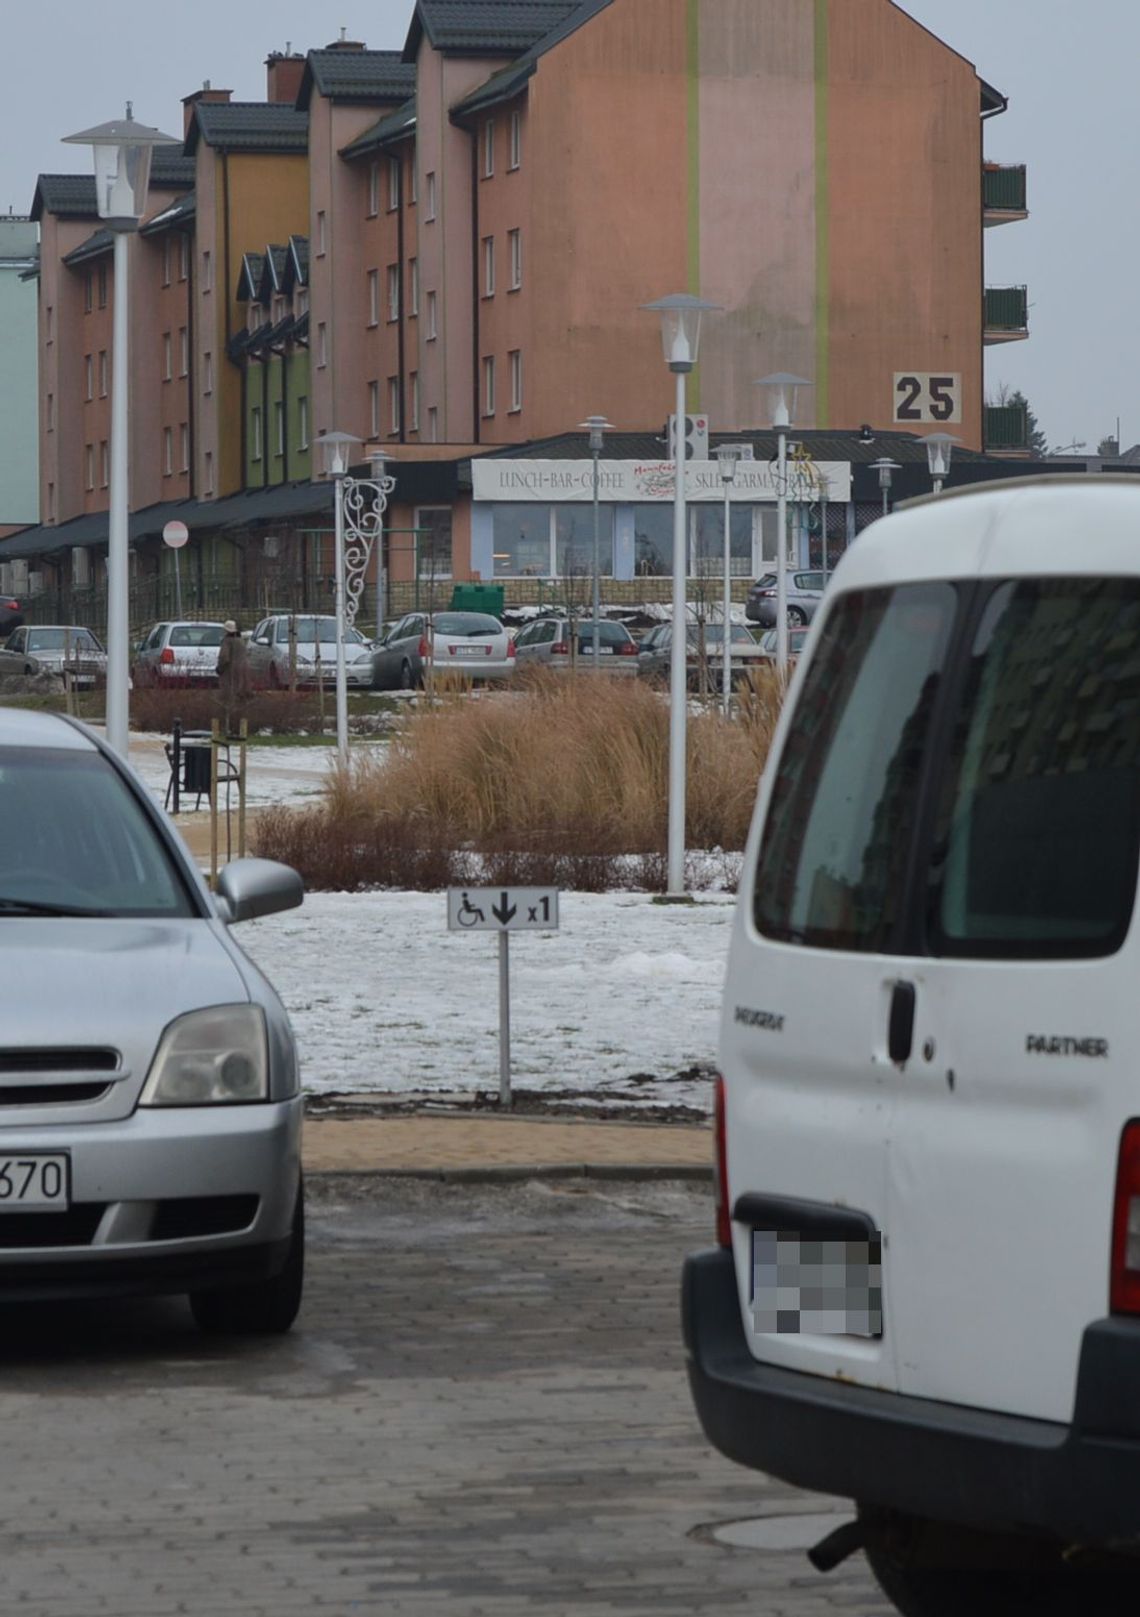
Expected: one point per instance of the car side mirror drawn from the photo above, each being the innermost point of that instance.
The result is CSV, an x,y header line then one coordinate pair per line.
x,y
248,888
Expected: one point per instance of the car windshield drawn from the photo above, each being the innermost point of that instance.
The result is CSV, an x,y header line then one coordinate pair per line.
x,y
197,634
309,630
74,839
466,625
62,640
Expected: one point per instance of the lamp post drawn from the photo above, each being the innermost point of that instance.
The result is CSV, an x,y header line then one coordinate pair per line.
x,y
680,336
782,389
596,426
122,151
886,469
359,505
727,457
939,451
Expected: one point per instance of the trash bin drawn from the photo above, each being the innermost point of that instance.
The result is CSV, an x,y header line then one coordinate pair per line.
x,y
195,768
478,598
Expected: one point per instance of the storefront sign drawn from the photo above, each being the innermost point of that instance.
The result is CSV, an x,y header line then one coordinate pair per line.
x,y
629,482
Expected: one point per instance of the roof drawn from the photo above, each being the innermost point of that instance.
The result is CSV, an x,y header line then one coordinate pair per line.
x,y
506,84
73,195
483,27
248,126
249,277
272,271
94,247
393,127
351,75
170,170
297,263
180,212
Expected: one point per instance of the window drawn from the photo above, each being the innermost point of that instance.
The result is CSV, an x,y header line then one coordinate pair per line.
x,y
104,465
302,300
88,376
183,257
184,447
413,286
208,373
393,292
279,429
89,466
514,242
49,324
433,425
209,463
433,540
51,502
373,297
516,140
102,373
488,148
302,422
183,351
393,404
255,433
430,317
322,344
373,190
167,357
374,409
488,266
166,258
393,184
167,451
88,292
489,386
574,541
253,317
50,413
414,402
429,204
102,286
413,182
207,271
514,360
322,233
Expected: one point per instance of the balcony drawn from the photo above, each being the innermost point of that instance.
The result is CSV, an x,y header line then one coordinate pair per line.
x,y
1003,194
1006,317
1006,429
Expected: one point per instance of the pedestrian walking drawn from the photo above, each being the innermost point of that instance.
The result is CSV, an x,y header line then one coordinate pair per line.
x,y
233,675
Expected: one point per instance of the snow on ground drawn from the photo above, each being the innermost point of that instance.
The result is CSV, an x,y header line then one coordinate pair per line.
x,y
617,1004
273,774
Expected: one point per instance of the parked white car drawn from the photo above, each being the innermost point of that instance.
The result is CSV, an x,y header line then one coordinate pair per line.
x,y
926,1295
306,642
59,646
180,653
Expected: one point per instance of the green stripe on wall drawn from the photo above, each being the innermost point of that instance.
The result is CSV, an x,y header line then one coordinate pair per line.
x,y
693,143
822,221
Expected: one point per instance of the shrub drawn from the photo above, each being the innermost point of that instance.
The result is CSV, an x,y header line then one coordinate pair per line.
x,y
155,708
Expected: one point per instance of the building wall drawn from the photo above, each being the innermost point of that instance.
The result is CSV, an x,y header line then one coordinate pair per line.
x,y
505,322
19,428
376,344
61,350
165,400
96,281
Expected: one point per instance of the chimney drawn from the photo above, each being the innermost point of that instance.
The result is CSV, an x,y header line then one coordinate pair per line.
x,y
189,102
343,44
283,75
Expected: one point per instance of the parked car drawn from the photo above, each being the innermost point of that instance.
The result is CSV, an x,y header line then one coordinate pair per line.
x,y
473,644
311,639
14,664
655,654
559,643
796,639
180,653
804,593
150,1105
944,1167
59,646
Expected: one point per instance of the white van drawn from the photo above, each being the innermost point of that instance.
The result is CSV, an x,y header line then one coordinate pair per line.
x,y
926,1295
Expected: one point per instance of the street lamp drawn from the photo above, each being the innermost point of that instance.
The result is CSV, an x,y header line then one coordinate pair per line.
x,y
939,450
727,457
122,151
359,508
886,469
596,426
782,390
680,336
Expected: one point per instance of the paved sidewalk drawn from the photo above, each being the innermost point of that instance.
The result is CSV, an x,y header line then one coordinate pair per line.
x,y
464,1147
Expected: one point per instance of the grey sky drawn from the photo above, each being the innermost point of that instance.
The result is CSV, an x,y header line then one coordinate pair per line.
x,y
1068,69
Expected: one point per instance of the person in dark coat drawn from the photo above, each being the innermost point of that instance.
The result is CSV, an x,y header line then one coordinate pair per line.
x,y
233,674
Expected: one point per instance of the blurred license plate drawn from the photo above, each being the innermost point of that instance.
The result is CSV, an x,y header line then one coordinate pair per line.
x,y
33,1183
469,651
588,650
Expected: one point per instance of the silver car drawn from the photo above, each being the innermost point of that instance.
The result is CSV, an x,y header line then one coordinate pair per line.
x,y
180,653
474,645
804,593
59,646
150,1107
306,643
558,643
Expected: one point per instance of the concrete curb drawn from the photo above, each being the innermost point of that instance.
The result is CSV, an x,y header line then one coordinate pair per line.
x,y
515,1173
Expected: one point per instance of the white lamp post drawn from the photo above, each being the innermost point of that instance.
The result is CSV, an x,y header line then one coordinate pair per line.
x,y
939,451
359,507
122,151
681,336
596,426
886,469
727,457
782,389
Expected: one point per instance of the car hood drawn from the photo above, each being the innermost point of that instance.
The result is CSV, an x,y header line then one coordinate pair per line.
x,y
110,984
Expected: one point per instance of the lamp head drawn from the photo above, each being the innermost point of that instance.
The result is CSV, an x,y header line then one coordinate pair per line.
x,y
597,426
886,469
122,150
680,328
939,452
728,456
783,388
334,452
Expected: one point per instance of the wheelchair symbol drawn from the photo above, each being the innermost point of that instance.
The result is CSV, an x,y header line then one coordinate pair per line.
x,y
469,914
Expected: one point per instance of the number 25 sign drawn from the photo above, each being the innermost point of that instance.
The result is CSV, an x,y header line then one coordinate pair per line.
x,y
923,396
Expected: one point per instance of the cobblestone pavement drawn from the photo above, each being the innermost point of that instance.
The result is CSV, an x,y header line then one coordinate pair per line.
x,y
482,1410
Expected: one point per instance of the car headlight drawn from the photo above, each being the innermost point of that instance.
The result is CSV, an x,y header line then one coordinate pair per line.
x,y
209,1058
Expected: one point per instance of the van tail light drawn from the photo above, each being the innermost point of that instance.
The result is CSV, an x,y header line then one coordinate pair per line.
x,y
723,1208
560,648
510,649
1125,1289
627,648
167,656
423,649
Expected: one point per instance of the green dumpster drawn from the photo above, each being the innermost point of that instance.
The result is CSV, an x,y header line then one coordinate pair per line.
x,y
478,598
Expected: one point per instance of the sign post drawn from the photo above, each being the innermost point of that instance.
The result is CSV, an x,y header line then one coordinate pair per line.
x,y
175,535
503,910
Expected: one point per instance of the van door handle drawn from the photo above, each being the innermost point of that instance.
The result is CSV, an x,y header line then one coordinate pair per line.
x,y
900,1029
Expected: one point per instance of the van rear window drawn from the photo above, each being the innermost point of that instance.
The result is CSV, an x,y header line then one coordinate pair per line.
x,y
1038,827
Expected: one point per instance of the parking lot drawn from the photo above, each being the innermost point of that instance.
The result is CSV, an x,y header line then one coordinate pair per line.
x,y
483,1409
